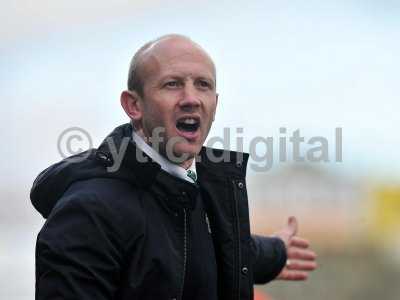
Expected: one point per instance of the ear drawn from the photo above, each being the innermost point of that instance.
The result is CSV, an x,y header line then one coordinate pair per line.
x,y
131,102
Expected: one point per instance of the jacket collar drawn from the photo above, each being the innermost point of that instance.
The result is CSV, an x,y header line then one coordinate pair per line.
x,y
168,166
210,162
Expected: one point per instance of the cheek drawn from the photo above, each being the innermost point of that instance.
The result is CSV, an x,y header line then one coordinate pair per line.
x,y
212,106
210,116
154,115
165,122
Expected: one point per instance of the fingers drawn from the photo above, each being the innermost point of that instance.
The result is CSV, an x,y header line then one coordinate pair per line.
x,y
301,265
288,231
293,225
297,270
301,260
292,275
299,242
300,253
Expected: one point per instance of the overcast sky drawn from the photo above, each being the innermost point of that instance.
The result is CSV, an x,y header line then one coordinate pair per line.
x,y
311,66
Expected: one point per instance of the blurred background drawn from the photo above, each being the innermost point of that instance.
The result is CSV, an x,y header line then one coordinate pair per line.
x,y
311,66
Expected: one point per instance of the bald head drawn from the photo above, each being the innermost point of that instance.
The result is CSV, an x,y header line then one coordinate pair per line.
x,y
162,50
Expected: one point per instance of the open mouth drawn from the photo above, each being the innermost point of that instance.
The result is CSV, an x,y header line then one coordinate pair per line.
x,y
188,124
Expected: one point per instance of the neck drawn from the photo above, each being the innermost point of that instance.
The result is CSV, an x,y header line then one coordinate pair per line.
x,y
185,164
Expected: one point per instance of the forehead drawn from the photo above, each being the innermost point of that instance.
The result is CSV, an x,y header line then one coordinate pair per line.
x,y
176,57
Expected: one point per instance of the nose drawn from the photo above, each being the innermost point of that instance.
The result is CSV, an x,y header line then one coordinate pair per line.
x,y
190,97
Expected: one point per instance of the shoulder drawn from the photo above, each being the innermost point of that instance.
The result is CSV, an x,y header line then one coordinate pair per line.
x,y
111,205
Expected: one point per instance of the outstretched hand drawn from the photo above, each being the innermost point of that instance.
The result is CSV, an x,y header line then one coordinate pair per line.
x,y
300,260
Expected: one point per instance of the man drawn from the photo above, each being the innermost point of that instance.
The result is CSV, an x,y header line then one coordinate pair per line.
x,y
151,214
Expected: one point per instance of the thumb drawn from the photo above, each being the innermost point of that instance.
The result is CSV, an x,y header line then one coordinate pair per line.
x,y
292,226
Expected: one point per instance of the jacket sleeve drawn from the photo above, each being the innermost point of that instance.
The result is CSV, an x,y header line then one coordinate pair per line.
x,y
269,258
78,253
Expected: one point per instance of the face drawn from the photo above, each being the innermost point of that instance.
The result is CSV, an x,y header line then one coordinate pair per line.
x,y
179,97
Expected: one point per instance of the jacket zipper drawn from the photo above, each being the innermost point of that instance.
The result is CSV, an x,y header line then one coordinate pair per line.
x,y
184,251
236,241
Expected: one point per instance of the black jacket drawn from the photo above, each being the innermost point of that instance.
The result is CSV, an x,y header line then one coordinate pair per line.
x,y
121,234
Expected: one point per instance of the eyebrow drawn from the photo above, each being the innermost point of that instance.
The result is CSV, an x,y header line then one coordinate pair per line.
x,y
180,76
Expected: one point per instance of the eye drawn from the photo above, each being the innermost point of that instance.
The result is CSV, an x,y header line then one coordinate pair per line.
x,y
172,84
204,84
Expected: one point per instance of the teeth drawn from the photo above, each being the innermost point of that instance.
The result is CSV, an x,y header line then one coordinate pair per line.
x,y
190,121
